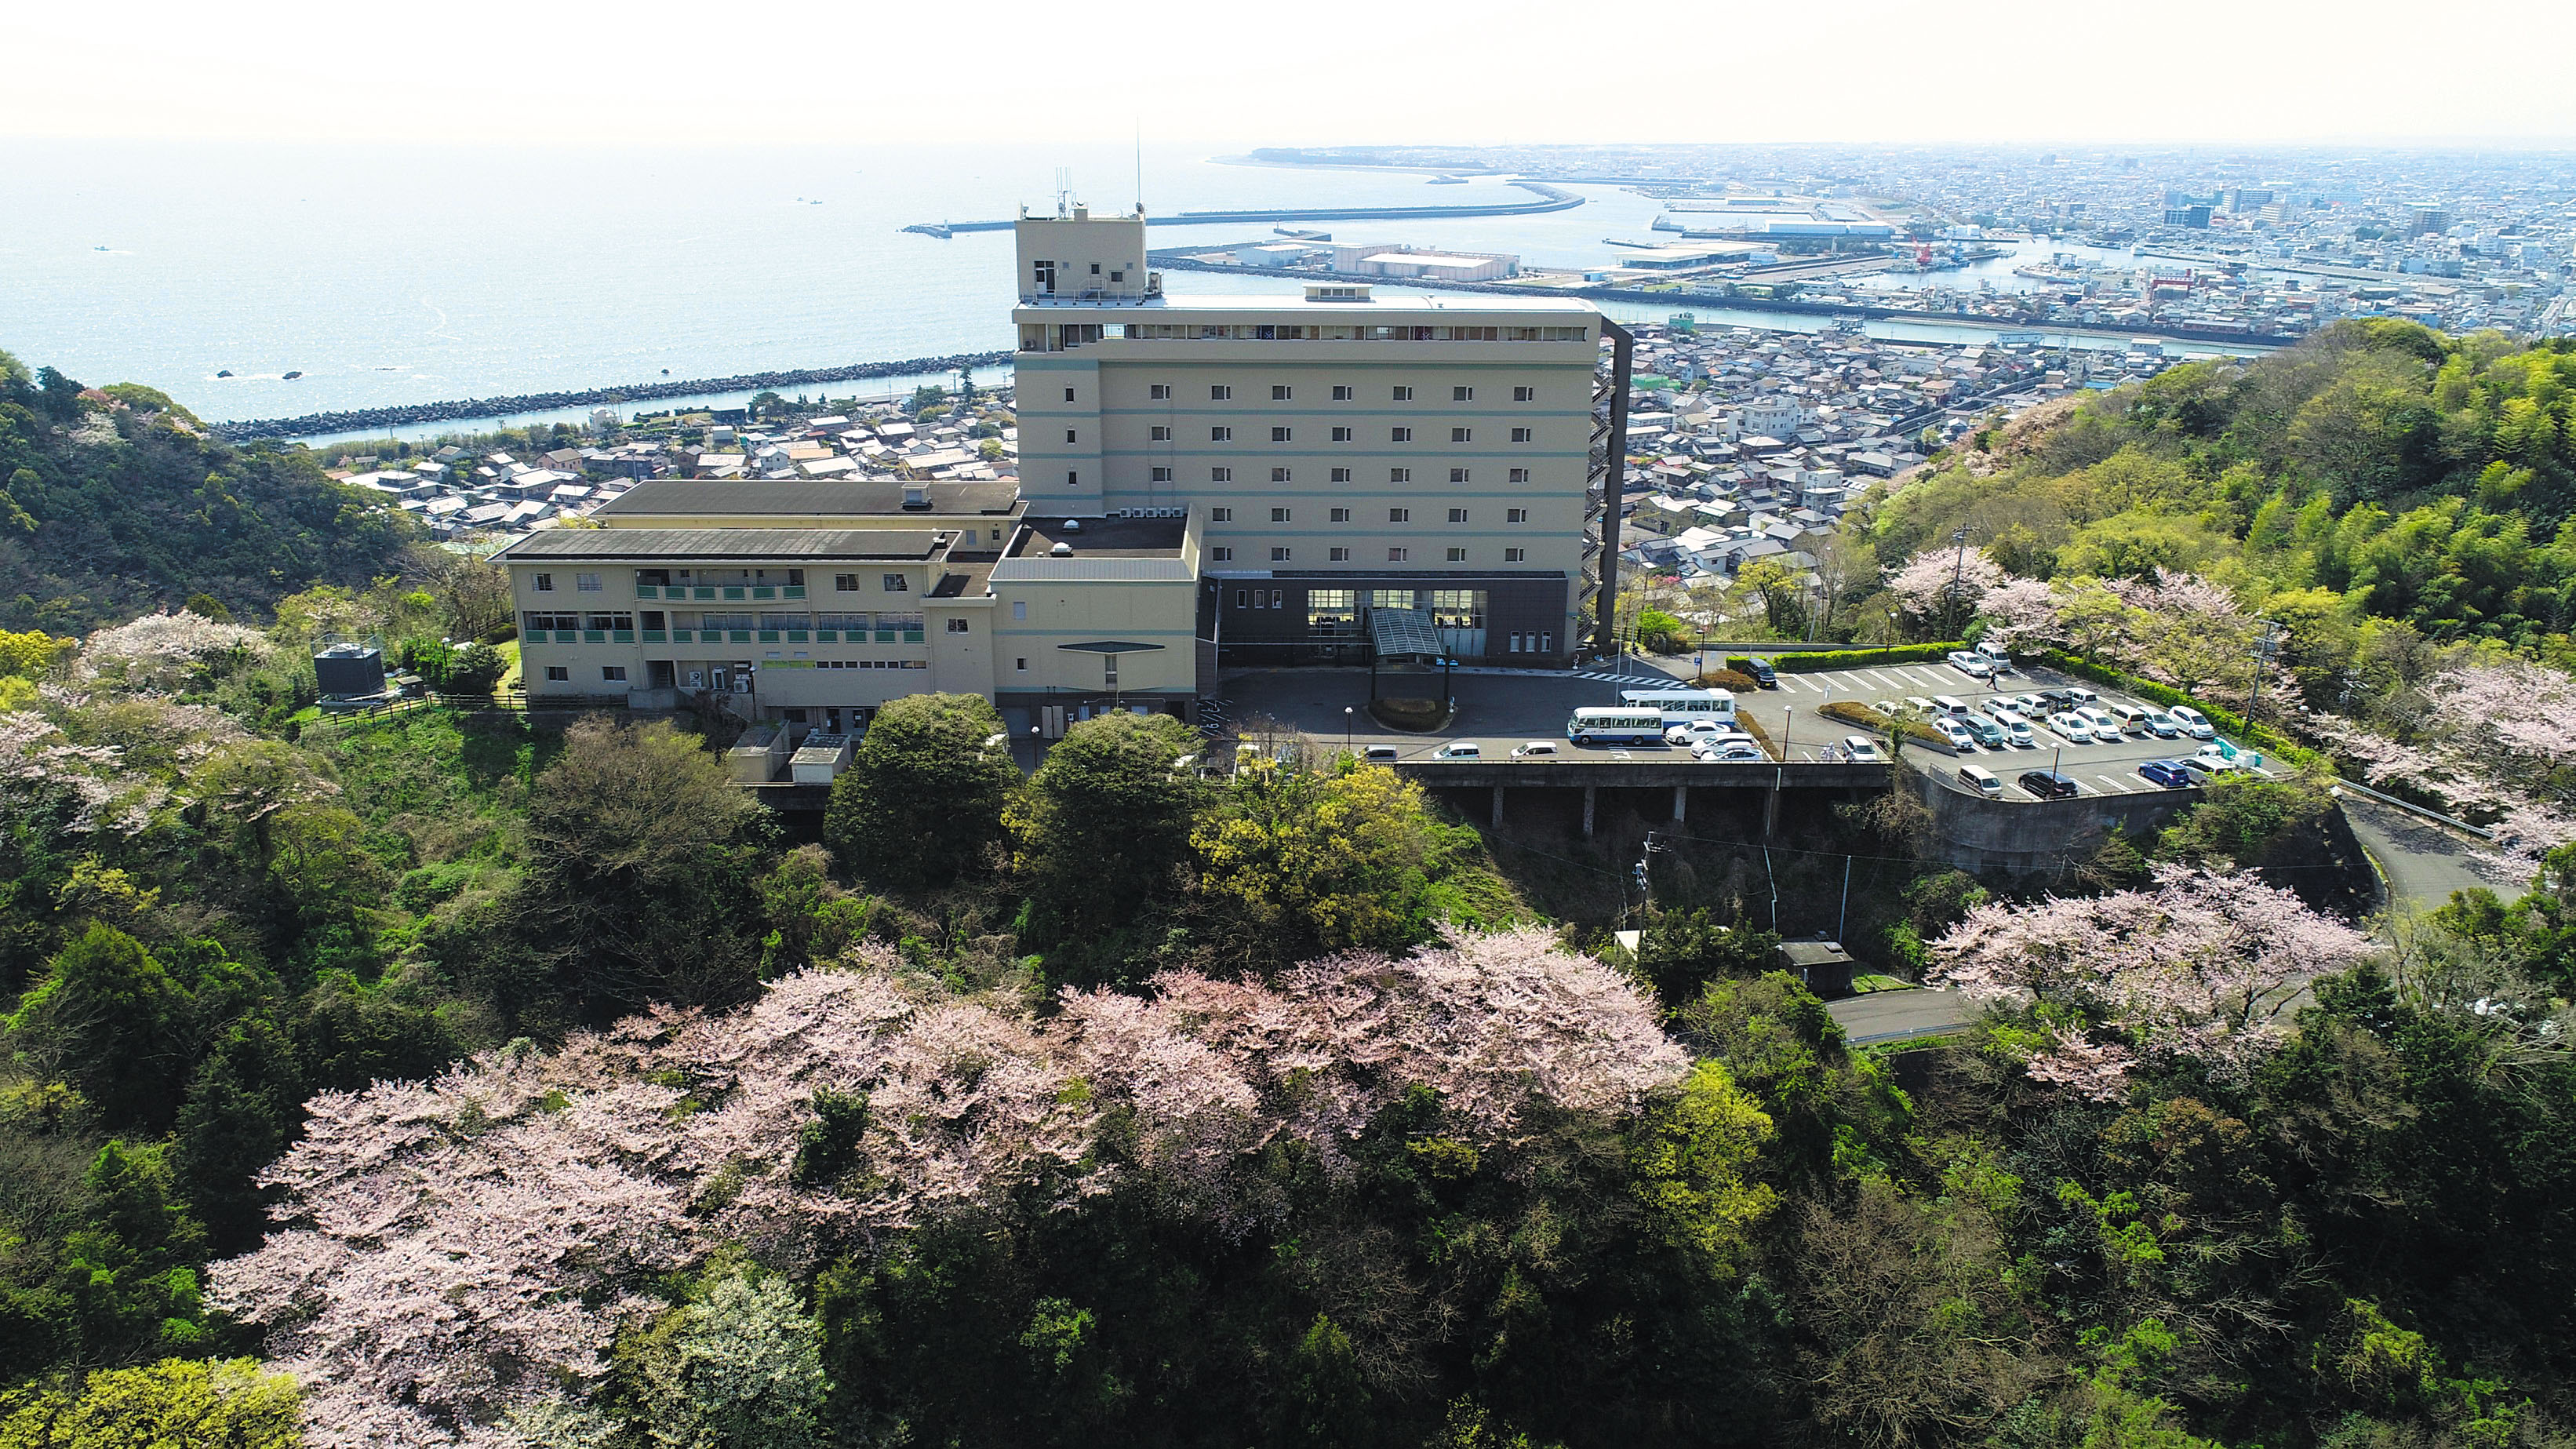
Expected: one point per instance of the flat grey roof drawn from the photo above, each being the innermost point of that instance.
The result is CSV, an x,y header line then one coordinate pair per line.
x,y
806,498
721,544
1099,537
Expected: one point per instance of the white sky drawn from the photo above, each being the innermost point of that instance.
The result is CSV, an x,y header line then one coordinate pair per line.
x,y
651,71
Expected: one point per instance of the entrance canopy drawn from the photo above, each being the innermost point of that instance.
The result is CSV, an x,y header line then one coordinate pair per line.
x,y
1401,635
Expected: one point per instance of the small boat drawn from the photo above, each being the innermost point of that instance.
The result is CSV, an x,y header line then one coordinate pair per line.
x,y
98,249
224,372
292,376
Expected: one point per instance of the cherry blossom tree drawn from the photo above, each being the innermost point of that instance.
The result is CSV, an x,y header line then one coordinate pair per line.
x,y
2022,613
2203,964
1938,582
454,1258
156,653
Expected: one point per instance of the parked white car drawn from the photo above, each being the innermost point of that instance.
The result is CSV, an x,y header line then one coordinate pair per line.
x,y
2105,728
1955,732
1535,750
2017,730
2162,725
1861,749
1972,664
2001,708
2073,728
1693,731
2193,722
1743,752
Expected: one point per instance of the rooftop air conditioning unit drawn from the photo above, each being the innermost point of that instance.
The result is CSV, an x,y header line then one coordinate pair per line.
x,y
1073,525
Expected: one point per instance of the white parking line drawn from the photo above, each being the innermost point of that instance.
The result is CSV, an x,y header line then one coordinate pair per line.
x,y
2116,787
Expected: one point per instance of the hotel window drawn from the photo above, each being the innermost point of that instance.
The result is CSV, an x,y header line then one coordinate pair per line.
x,y
1220,515
1220,475
1399,435
1457,515
1458,475
1222,554
1456,555
1019,611
1068,394
1219,392
1395,555
1279,475
1462,394
1158,475
1220,435
1520,475
1022,665
1399,515
1456,435
1341,555
1279,555
559,674
612,673
1515,555
1404,394
1279,515
1399,475
1341,515
1159,434
1279,435
1072,478
1515,515
845,583
586,583
957,626
1068,435
1342,392
1525,394
1341,475
1158,391
545,583
1341,435
1279,392
896,583
1523,435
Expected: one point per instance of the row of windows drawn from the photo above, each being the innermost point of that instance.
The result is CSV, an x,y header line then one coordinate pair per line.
x,y
1397,554
1339,475
1342,392
1343,515
1223,434
1309,332
656,578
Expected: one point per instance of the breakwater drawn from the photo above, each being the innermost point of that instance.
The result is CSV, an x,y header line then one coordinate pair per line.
x,y
1549,198
485,408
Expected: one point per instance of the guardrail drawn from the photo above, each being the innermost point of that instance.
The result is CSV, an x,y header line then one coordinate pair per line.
x,y
2420,812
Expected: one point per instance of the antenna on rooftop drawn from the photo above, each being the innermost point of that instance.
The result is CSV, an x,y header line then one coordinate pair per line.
x,y
1140,165
1063,192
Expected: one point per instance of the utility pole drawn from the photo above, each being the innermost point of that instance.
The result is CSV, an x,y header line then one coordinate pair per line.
x,y
2264,649
1958,580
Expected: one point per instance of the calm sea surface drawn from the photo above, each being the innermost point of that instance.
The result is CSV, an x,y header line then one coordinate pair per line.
x,y
391,276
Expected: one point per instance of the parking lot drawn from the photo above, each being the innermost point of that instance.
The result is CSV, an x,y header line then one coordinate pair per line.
x,y
1499,709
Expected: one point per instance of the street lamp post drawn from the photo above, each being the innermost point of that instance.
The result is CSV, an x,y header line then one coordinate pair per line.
x,y
1346,729
1788,718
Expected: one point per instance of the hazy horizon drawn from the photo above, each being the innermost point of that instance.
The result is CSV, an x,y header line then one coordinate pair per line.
x,y
2190,73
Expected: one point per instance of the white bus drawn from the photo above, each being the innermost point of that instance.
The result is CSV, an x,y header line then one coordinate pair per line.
x,y
1681,706
1615,727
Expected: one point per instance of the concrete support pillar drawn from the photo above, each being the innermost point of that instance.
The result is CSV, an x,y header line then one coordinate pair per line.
x,y
1681,802
1498,807
1591,794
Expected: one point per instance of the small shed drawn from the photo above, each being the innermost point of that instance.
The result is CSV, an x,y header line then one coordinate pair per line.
x,y
1824,966
757,757
820,760
350,671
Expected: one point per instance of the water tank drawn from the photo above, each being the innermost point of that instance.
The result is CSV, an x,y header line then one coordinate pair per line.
x,y
350,671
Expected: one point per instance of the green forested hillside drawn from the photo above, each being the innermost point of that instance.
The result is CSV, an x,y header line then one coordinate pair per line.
x,y
2378,470
113,502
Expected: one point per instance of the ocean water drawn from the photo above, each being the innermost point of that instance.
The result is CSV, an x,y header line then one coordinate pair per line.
x,y
392,275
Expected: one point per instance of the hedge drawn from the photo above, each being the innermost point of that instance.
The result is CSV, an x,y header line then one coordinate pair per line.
x,y
1861,658
1851,711
2264,738
1734,679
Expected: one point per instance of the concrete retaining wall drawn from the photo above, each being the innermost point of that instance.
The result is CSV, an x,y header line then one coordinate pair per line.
x,y
2035,837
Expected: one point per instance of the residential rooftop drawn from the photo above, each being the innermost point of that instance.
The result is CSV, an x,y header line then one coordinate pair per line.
x,y
722,545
